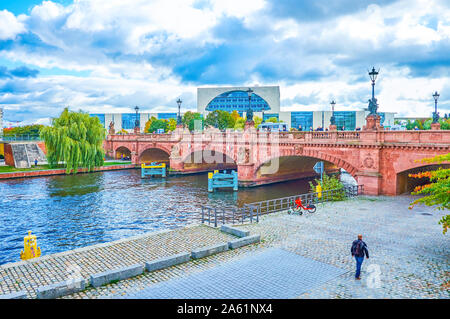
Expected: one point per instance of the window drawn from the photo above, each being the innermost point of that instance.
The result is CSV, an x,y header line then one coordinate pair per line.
x,y
101,117
166,116
128,121
237,100
346,119
305,119
268,116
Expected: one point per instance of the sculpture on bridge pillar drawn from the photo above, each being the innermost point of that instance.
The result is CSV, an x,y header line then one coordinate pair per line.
x,y
175,151
373,119
243,156
112,131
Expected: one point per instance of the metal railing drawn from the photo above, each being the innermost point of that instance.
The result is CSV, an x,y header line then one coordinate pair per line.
x,y
229,215
20,138
252,212
284,203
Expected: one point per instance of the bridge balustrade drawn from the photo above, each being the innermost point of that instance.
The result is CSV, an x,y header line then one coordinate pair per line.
x,y
381,136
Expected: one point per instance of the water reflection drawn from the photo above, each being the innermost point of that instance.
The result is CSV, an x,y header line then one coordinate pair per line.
x,y
66,212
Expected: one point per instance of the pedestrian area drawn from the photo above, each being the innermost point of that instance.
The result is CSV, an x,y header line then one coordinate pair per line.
x,y
273,273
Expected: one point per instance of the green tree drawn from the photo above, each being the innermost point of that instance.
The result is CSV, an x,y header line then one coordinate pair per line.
x,y
328,183
239,124
76,139
31,130
172,125
272,120
235,115
220,119
257,120
158,124
437,190
149,123
189,119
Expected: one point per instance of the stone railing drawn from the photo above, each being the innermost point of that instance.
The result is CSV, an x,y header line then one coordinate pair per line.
x,y
428,136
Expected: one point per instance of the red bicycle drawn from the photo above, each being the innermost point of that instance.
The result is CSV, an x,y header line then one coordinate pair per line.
x,y
310,208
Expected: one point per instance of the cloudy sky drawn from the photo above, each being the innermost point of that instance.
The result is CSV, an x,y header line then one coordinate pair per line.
x,y
110,55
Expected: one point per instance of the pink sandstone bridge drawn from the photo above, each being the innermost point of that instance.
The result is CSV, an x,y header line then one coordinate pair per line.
x,y
380,160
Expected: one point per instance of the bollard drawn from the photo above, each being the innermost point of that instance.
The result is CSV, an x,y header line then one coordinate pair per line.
x,y
210,186
30,248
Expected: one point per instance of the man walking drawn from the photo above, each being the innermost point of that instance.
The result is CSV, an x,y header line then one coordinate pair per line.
x,y
359,248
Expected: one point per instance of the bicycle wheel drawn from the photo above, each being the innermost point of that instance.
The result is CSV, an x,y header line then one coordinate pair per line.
x,y
313,209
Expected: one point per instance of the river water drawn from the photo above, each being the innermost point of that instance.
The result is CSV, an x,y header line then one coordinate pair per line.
x,y
68,212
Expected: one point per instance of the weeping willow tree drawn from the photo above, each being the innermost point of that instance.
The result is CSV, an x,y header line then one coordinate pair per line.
x,y
76,139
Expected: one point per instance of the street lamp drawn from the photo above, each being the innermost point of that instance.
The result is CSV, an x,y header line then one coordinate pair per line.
x,y
179,111
373,76
249,110
136,123
373,103
435,114
332,119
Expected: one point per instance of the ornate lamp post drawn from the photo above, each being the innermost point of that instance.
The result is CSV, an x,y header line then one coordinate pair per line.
x,y
373,119
435,114
179,112
249,110
435,123
136,122
373,76
332,118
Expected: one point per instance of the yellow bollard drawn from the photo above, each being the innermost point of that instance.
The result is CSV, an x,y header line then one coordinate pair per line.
x,y
319,191
210,175
30,248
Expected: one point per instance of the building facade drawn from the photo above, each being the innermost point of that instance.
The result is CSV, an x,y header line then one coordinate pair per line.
x,y
265,103
264,98
126,121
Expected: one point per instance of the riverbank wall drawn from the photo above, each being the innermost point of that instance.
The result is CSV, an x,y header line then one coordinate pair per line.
x,y
62,171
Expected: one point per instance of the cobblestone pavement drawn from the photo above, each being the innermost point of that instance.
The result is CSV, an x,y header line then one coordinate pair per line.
x,y
407,249
256,276
28,275
408,252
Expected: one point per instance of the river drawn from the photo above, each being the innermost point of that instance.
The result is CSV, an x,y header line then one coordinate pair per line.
x,y
68,212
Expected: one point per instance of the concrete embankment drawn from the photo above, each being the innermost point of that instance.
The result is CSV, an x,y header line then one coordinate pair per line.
x,y
62,171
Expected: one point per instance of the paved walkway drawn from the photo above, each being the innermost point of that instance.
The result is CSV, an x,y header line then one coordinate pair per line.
x,y
28,275
256,276
409,255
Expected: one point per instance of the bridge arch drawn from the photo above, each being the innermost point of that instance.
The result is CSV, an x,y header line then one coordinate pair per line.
x,y
406,184
205,159
122,150
312,157
154,154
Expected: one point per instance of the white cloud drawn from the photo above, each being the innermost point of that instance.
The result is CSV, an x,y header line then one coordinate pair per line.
x,y
146,52
10,26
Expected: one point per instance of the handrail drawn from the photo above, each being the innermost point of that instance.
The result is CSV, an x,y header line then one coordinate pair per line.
x,y
251,212
18,138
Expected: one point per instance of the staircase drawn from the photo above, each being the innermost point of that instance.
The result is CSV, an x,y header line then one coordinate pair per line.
x,y
25,154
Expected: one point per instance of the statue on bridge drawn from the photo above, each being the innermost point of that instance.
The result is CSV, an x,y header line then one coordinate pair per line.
x,y
112,131
249,115
373,106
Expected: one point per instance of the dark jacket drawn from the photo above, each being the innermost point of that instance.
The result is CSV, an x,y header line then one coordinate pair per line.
x,y
363,249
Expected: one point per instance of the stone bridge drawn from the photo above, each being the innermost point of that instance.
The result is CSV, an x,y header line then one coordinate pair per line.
x,y
380,160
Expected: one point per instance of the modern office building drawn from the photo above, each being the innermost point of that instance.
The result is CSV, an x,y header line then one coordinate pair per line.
x,y
264,99
265,103
127,121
